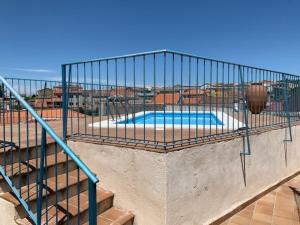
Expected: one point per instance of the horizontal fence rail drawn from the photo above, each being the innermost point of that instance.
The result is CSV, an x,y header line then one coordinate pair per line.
x,y
41,171
166,99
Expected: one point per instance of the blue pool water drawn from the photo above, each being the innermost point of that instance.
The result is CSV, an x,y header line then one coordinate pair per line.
x,y
176,118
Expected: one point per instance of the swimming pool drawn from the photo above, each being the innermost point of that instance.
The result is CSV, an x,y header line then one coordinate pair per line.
x,y
176,118
170,120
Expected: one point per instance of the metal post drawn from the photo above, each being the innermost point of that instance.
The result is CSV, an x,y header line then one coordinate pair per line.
x,y
245,114
286,106
41,177
92,203
64,102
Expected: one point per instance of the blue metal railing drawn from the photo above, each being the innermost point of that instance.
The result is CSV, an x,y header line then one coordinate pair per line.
x,y
23,151
158,86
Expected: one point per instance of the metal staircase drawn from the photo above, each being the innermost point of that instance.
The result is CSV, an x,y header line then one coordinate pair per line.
x,y
44,178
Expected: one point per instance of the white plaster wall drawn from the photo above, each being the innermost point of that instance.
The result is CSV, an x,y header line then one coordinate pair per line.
x,y
137,178
206,182
193,186
7,213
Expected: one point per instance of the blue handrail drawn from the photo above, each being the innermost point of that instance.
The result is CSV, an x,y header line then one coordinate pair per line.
x,y
52,133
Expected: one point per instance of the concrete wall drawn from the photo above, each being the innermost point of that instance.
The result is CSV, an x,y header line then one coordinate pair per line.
x,y
8,212
137,178
196,185
206,182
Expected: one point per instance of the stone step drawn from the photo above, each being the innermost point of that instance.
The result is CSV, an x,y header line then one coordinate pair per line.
x,y
17,154
33,168
51,160
104,202
112,216
16,169
68,182
102,196
30,193
115,216
53,215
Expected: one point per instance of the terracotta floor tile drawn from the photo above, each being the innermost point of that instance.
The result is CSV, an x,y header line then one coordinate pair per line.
x,y
285,213
288,201
250,207
279,207
265,203
285,207
269,198
264,209
259,223
283,221
261,217
240,220
246,213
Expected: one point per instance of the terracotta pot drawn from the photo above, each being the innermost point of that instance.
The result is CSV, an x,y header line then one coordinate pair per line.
x,y
256,97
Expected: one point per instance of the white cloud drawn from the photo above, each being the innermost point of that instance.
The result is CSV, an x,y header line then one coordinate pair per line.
x,y
34,70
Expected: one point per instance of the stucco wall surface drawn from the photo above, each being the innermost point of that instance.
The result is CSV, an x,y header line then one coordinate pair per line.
x,y
137,178
193,186
206,182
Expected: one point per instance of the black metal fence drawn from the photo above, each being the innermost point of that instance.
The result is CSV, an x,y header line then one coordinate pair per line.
x,y
44,96
166,99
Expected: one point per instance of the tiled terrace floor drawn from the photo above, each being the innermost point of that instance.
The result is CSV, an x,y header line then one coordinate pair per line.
x,y
278,207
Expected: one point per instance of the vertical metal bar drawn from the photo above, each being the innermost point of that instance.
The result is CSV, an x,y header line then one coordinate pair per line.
x,y
67,190
235,95
71,99
217,93
245,112
231,86
92,96
3,125
263,112
41,177
240,83
36,157
255,115
79,100
189,106
181,96
223,97
144,96
27,156
126,99
210,98
286,104
134,91
86,91
64,102
107,98
116,99
46,181
92,203
56,183
100,100
173,99
11,131
19,144
165,72
251,121
197,100
78,196
154,88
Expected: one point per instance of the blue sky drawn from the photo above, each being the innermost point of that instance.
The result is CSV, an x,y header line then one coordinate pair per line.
x,y
38,36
